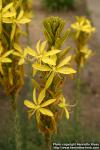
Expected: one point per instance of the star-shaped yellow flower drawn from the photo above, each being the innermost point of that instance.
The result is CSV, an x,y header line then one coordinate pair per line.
x,y
19,52
38,106
6,14
41,54
61,68
64,106
18,19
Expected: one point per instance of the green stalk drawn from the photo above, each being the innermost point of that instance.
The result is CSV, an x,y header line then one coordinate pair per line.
x,y
77,107
28,35
48,141
17,127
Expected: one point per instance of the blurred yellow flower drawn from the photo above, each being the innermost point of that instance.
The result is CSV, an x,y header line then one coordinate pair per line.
x,y
4,58
82,24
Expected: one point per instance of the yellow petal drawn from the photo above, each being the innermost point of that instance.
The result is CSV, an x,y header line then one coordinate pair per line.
x,y
13,31
38,46
41,67
41,96
48,60
67,113
49,81
7,7
29,104
23,20
17,47
52,52
43,46
30,51
65,61
65,70
21,13
7,53
6,60
34,96
48,102
46,112
21,61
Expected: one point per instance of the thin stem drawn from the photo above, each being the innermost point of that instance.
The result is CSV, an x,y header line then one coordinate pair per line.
x,y
48,141
17,128
77,101
28,35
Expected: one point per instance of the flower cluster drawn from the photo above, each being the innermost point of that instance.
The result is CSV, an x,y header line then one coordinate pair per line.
x,y
82,31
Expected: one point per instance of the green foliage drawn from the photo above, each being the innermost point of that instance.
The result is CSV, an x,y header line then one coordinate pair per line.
x,y
59,4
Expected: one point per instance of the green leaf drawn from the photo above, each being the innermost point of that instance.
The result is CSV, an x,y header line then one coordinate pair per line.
x,y
65,70
49,81
41,67
48,102
65,61
46,112
29,104
41,96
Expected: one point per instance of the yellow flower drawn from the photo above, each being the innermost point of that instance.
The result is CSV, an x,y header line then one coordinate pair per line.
x,y
5,14
41,54
4,58
17,20
82,25
60,68
64,106
38,106
19,52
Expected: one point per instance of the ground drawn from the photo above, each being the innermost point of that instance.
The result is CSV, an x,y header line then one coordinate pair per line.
x,y
90,76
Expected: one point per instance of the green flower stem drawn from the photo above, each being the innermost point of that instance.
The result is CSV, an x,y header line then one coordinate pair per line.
x,y
77,107
48,141
17,127
28,35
